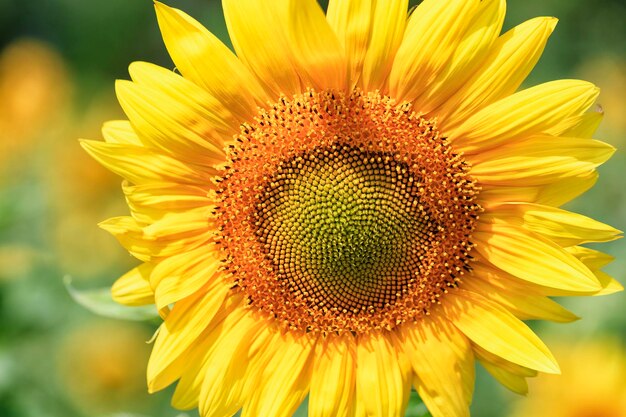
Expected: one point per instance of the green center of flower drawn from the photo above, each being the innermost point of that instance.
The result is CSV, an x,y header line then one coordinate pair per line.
x,y
344,227
344,213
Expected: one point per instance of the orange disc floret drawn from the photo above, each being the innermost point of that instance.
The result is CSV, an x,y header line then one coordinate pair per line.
x,y
344,213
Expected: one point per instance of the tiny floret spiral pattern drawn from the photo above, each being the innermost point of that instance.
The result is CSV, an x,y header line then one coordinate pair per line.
x,y
344,213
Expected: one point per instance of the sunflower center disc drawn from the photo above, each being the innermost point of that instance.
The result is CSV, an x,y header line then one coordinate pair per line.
x,y
344,227
344,213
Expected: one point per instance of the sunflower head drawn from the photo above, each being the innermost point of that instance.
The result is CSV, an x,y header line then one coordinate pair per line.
x,y
344,213
352,204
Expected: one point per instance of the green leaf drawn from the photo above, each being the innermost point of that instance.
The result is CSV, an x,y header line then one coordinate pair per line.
x,y
99,301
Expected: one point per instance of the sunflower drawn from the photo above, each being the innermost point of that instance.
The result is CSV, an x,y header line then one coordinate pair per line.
x,y
355,204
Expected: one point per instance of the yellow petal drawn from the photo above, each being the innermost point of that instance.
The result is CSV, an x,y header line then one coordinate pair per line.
x,y
541,169
130,235
120,131
133,288
173,234
432,37
123,160
467,58
334,377
258,32
194,367
554,194
565,185
181,275
201,356
565,190
504,281
509,374
494,195
533,258
523,114
151,202
529,170
359,408
508,63
515,383
497,331
387,30
236,360
174,226
443,362
206,108
593,259
172,126
561,226
285,380
522,303
383,375
503,364
319,57
202,58
583,126
181,329
351,21
541,146
609,284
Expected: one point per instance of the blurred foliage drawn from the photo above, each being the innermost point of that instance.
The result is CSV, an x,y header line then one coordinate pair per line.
x,y
100,301
58,60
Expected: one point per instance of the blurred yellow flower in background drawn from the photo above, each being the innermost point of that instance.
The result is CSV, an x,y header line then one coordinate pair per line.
x,y
35,94
34,91
35,119
101,366
592,382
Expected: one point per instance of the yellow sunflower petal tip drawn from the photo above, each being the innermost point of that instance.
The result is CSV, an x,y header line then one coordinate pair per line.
x,y
92,147
112,226
553,368
163,12
552,22
122,86
613,287
343,208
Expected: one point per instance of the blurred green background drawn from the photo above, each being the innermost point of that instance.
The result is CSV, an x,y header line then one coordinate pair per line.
x,y
58,60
